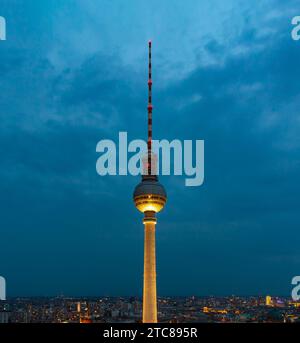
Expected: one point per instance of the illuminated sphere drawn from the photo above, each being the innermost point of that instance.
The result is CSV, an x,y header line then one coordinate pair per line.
x,y
149,195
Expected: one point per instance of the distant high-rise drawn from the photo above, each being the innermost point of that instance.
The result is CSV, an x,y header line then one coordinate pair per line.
x,y
269,301
149,197
4,317
84,318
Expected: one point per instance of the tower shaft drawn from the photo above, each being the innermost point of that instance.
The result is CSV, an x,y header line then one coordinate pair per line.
x,y
149,290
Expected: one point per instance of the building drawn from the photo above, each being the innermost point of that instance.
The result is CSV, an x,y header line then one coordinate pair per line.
x,y
4,317
269,301
149,197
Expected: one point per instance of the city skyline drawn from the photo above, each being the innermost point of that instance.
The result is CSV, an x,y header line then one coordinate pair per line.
x,y
74,72
170,310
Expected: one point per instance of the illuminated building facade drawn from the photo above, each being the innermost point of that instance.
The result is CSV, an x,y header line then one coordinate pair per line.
x,y
269,301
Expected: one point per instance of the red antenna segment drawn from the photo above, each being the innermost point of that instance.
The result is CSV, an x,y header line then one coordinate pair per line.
x,y
150,107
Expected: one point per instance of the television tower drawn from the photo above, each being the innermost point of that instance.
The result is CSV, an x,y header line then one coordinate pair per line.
x,y
149,197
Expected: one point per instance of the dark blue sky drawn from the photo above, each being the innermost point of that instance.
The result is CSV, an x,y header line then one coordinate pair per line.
x,y
74,72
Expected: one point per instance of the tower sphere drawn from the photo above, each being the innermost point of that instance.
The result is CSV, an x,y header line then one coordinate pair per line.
x,y
149,195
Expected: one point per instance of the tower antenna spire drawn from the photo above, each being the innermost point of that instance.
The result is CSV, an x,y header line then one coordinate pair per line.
x,y
150,107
